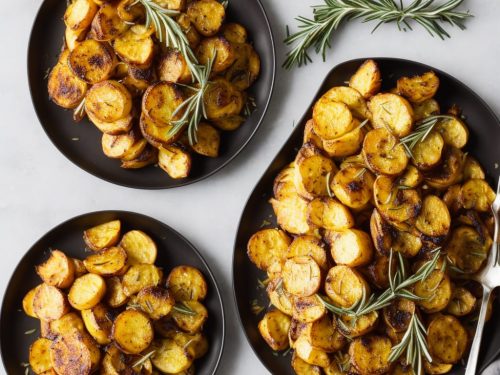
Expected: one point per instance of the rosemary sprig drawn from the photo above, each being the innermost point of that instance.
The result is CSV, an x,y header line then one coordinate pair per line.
x,y
144,358
184,309
317,32
415,344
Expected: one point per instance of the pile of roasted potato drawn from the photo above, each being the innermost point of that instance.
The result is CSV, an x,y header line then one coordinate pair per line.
x,y
114,70
115,312
355,195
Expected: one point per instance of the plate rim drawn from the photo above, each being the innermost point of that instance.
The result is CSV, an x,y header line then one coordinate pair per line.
x,y
145,186
121,212
295,129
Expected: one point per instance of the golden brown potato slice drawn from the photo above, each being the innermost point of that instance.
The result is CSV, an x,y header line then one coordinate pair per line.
x,y
354,327
107,262
75,353
116,146
353,161
222,99
192,322
137,80
308,246
477,194
418,89
115,295
447,339
87,291
49,303
434,219
73,38
454,132
377,272
196,345
28,300
353,186
103,235
229,123
279,297
367,79
370,354
407,244
329,214
155,301
452,198
223,50
66,325
234,32
160,101
172,67
324,335
345,286
392,112
310,354
345,145
383,153
274,328
207,16
435,292
136,150
98,323
449,172
339,365
132,331
175,161
129,11
462,302
307,309
108,101
301,367
468,249
381,232
172,4
189,30
246,67
92,61
472,169
351,247
284,185
140,248
425,109
107,24
79,14
121,126
437,368
331,119
140,276
301,276
170,357
427,153
135,46
58,270
39,356
157,136
291,214
187,283
297,328
399,314
350,97
207,140
411,177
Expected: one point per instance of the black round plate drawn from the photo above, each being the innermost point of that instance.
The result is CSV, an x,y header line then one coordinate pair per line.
x,y
483,144
81,143
173,250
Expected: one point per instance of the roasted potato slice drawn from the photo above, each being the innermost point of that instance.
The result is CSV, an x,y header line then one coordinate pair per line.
x,y
477,194
135,152
207,16
73,38
207,140
425,109
381,232
221,48
350,97
339,365
170,357
28,300
329,214
79,14
310,354
351,247
222,99
158,136
447,339
139,246
437,368
407,244
454,132
345,145
245,68
98,323
135,46
140,276
367,79
66,325
108,101
462,302
284,184
132,331
160,102
49,303
358,326
324,335
301,276
310,136
115,295
399,313
383,153
87,291
472,169
58,270
117,146
392,112
345,286
137,80
175,161
172,4
452,198
192,322
435,291
189,30
107,262
39,356
187,283
353,186
129,11
467,249
308,246
418,89
291,214
103,235
301,367
297,328
449,172
107,24
411,177
307,309
75,353
370,354
173,67
92,61
331,119
229,123
434,219
274,328
196,345
377,272
155,301
121,126
234,32
279,297
427,153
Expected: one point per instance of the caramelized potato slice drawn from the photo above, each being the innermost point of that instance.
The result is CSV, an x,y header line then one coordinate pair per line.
x,y
107,24
66,325
107,262
332,119
407,244
172,67
351,247
367,79
291,214
399,313
308,353
108,101
207,16
135,152
115,295
160,101
449,172
129,11
155,301
140,276
170,357
345,286
307,309
324,335
308,246
392,112
418,89
383,153
329,214
132,331
135,46
207,140
462,302
49,303
234,32
447,339
39,356
279,297
301,276
345,145
301,367
310,136
196,345
223,50
158,136
454,132
140,248
189,30
73,38
121,126
28,300
427,153
472,169
229,123
377,272
92,61
381,232
437,368
425,109
246,66
117,146
222,99
98,323
58,270
87,291
351,98
297,328
370,354
79,14
187,283
434,219
274,328
435,292
194,321
339,364
175,161
75,353
353,186
284,185
478,195
355,327
411,177
103,235
468,249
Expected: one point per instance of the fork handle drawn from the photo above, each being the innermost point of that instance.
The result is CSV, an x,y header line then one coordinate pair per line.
x,y
476,344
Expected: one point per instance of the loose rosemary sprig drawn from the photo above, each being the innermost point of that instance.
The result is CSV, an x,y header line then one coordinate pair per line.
x,y
144,358
184,309
415,344
317,32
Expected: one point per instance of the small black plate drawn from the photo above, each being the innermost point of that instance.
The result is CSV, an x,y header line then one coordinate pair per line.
x,y
81,142
483,144
173,250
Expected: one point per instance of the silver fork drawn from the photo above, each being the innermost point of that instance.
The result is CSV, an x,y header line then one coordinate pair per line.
x,y
489,278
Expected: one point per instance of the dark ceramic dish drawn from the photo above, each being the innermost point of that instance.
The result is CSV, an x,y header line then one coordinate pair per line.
x,y
485,134
81,143
173,250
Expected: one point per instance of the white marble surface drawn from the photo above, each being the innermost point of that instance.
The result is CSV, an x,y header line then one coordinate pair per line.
x,y
39,188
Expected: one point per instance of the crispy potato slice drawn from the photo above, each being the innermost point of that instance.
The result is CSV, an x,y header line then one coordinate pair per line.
x,y
301,276
121,126
407,244
222,99
115,362
140,248
223,50
117,146
377,272
353,161
425,109
107,24
329,214
454,132
128,11
449,172
189,30
370,354
175,161
234,32
207,16
308,246
310,136
345,286
353,186
418,89
107,262
411,177
172,4
367,79
108,101
351,247
170,357
87,291
324,335
132,331
73,38
115,295
246,66
477,194
135,46
284,185
274,328
473,169
229,123
383,153
207,140
331,119
462,302
447,339
103,235
66,325
49,303
75,353
381,232
301,367
137,79
157,136
291,214
28,307
172,67
160,101
196,345
339,365
452,198
355,327
467,249
279,297
350,97
392,112
136,150
297,328
434,219
92,61
427,153
194,321
58,270
140,276
39,356
187,283
98,323
310,354
79,14
345,145
399,313
307,309
437,368
155,301
435,292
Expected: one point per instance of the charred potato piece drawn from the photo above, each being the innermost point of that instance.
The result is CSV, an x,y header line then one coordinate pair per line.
x,y
331,119
425,109
462,302
222,99
49,303
351,247
355,327
108,101
207,16
279,297
345,286
234,32
117,146
221,48
446,339
301,276
160,102
75,353
103,235
157,135
98,323
427,153
28,300
87,291
140,276
115,295
92,61
308,246
351,98
454,132
383,153
175,161
393,112
170,357
137,80
353,186
418,89
467,249
307,309
291,214
155,301
187,283
399,313
324,335
301,367
370,354
196,345
107,24
245,68
207,140
135,46
58,270
367,79
140,247
477,194
434,219
310,354
66,325
435,291
329,214
132,331
194,321
449,172
121,126
79,14
345,145
107,262
39,356
173,67
274,328
381,232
